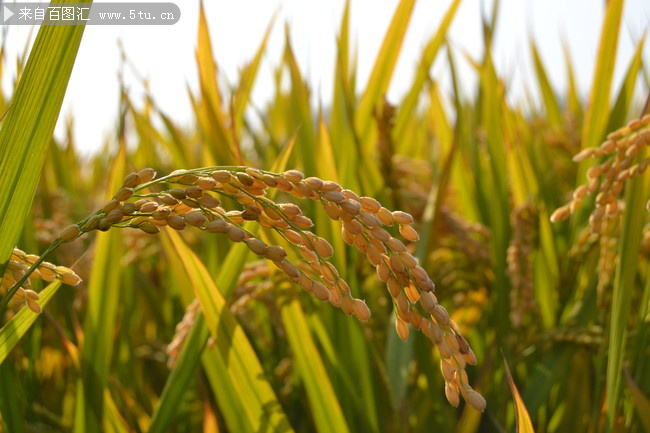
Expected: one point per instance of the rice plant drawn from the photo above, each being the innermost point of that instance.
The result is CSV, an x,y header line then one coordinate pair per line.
x,y
515,240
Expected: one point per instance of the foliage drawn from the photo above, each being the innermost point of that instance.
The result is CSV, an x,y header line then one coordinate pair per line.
x,y
567,304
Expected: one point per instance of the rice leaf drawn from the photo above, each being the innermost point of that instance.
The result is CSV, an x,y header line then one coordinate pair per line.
x,y
594,127
101,317
376,89
573,99
113,421
524,424
641,401
209,108
28,126
12,404
634,217
343,139
551,104
326,410
429,54
239,369
180,376
625,95
15,329
247,80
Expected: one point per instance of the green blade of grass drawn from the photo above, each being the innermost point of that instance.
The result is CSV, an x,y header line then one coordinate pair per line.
x,y
180,376
12,405
375,92
524,424
239,369
382,70
553,114
625,95
640,400
597,113
103,295
325,407
29,124
113,421
409,104
573,99
13,330
341,115
209,109
634,217
247,80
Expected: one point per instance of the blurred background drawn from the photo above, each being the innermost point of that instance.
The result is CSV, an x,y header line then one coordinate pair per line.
x,y
165,55
478,145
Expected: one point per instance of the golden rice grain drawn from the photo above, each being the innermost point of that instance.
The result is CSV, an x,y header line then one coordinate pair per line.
x,y
385,216
257,246
111,205
320,291
361,310
350,206
451,392
293,176
70,233
148,206
396,245
124,194
275,253
132,180
235,233
328,185
370,205
146,175
347,305
314,183
149,228
176,222
115,216
402,329
332,210
323,248
409,233
476,400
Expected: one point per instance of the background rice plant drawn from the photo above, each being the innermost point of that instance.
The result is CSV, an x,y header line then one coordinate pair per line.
x,y
481,176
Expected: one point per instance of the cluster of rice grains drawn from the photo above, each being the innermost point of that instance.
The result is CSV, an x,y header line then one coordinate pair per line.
x,y
520,263
617,157
19,265
363,226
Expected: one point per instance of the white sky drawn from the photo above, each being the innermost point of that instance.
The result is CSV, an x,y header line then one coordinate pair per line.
x,y
165,54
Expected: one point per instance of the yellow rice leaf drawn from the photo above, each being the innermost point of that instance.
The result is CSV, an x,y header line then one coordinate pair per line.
x,y
524,424
375,92
234,353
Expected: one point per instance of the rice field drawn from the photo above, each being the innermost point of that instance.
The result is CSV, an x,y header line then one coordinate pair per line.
x,y
452,261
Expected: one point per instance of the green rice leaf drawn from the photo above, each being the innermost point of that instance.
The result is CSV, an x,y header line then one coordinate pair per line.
x,y
376,89
240,373
13,330
101,317
326,410
640,399
429,54
634,218
28,126
597,114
